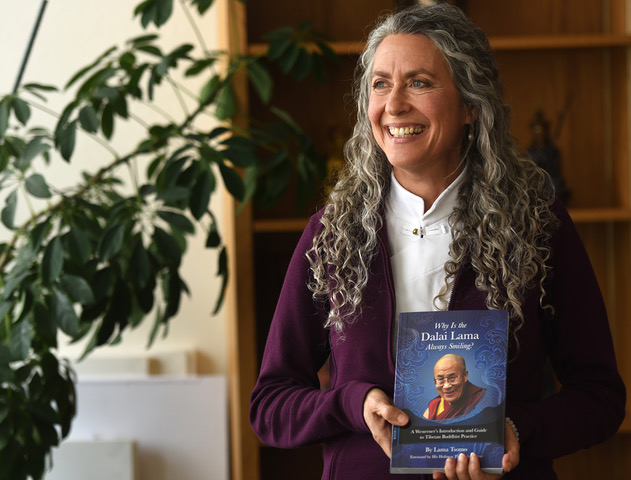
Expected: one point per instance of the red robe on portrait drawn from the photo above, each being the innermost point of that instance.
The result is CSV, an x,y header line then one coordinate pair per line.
x,y
471,395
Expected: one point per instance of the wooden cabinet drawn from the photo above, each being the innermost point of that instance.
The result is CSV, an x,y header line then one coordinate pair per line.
x,y
569,60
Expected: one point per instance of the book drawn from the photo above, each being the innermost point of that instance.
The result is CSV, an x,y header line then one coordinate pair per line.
x,y
451,381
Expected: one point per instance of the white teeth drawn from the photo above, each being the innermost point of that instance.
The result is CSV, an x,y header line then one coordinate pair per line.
x,y
405,131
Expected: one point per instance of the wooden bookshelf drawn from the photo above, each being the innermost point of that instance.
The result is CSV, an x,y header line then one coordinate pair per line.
x,y
554,55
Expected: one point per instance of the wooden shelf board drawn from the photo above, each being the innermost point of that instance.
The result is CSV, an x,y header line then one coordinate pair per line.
x,y
280,225
341,48
597,215
504,43
579,215
548,42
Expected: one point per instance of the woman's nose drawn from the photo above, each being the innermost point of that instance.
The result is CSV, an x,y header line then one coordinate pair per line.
x,y
397,102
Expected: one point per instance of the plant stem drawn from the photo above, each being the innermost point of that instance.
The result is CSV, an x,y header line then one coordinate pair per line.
x,y
194,27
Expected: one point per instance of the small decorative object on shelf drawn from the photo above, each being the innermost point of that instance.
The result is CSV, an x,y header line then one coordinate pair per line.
x,y
546,154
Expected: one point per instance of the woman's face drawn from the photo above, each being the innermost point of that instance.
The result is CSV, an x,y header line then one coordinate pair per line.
x,y
415,111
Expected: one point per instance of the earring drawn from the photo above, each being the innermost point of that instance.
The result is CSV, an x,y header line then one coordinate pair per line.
x,y
470,135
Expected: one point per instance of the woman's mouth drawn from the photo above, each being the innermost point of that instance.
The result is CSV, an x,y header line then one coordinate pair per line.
x,y
402,132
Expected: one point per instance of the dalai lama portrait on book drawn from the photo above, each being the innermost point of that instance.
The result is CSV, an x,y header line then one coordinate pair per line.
x,y
456,395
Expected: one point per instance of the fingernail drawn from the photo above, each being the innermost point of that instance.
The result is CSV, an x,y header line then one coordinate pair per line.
x,y
462,457
402,418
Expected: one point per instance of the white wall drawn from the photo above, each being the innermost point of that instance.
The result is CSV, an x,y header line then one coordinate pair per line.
x,y
72,34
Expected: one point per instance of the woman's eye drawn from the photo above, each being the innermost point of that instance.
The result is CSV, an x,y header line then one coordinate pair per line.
x,y
379,84
418,83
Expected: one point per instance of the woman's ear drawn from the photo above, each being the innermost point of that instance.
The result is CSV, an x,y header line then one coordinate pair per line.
x,y
471,115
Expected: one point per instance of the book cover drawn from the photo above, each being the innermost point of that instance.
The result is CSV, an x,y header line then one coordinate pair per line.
x,y
451,380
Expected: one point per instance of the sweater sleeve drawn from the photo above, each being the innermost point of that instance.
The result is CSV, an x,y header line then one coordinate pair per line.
x,y
590,404
288,408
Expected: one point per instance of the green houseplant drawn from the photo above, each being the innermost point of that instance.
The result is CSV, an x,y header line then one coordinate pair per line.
x,y
101,257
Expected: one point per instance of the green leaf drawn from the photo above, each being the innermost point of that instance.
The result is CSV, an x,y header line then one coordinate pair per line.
x,y
180,52
4,115
158,322
107,93
8,212
33,87
209,91
53,261
34,149
127,61
21,336
36,185
173,194
88,119
63,313
144,297
222,271
202,5
302,67
4,413
177,221
79,244
151,49
121,305
200,195
139,267
14,279
261,81
107,121
210,154
279,178
278,46
199,66
154,11
46,329
175,287
22,110
232,181
96,81
120,106
240,151
142,39
111,242
289,58
38,233
214,239
77,288
86,69
67,139
5,307
167,246
6,372
5,157
226,103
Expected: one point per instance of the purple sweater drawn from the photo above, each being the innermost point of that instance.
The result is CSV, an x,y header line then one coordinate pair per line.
x,y
288,408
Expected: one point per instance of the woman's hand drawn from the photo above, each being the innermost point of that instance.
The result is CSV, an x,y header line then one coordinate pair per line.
x,y
380,415
468,468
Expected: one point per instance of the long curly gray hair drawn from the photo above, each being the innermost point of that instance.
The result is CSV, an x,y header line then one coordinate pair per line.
x,y
503,220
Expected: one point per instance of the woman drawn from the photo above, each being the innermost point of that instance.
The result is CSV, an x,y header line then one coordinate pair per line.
x,y
435,210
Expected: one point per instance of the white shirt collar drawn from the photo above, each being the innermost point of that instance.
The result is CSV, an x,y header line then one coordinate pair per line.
x,y
406,211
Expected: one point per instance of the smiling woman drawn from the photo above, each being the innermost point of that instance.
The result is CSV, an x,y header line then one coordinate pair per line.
x,y
436,210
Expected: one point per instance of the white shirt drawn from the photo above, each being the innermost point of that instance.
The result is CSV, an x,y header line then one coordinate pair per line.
x,y
419,245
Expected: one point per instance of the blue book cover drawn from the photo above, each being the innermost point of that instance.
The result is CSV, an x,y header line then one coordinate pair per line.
x,y
451,380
